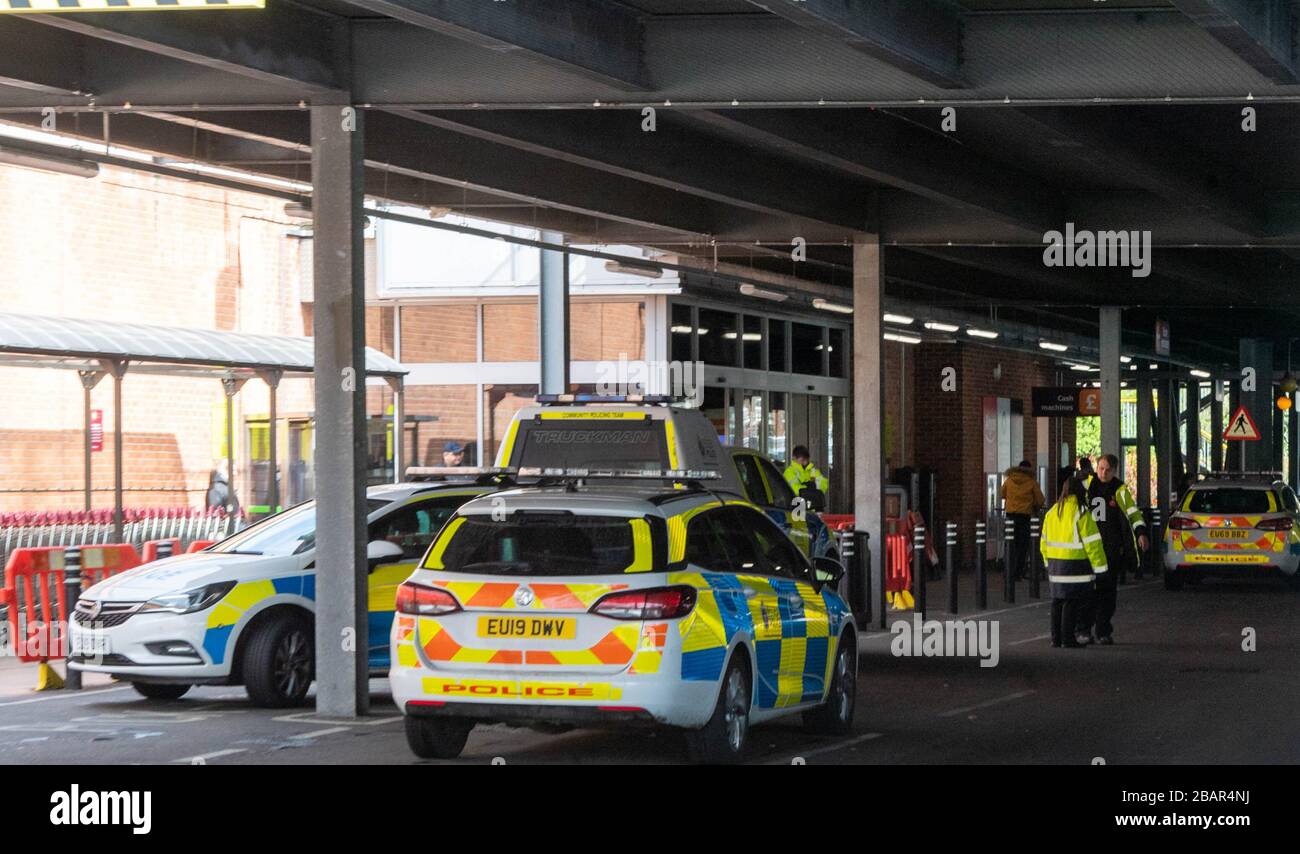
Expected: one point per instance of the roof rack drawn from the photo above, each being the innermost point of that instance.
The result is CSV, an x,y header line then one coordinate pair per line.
x,y
1241,475
572,399
617,474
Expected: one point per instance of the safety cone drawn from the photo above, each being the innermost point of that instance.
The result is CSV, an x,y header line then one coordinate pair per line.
x,y
47,678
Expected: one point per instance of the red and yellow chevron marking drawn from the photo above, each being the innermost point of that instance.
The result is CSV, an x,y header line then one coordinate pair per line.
x,y
1274,541
500,595
615,648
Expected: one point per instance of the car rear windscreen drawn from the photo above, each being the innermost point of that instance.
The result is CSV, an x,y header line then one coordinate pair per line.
x,y
637,445
1228,501
550,543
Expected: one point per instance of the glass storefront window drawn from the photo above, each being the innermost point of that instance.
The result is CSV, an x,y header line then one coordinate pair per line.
x,y
751,420
606,331
776,425
837,352
718,337
806,349
437,415
776,337
752,342
439,333
500,403
714,408
680,333
510,332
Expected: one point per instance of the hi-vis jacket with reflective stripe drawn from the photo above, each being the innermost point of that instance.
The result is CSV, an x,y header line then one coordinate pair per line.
x,y
1072,549
1127,503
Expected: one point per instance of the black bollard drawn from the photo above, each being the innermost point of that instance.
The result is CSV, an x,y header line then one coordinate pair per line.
x,y
981,577
949,546
1035,556
1009,562
164,550
1153,543
918,568
71,593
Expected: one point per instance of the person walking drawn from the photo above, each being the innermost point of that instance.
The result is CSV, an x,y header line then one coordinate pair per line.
x,y
1071,548
1021,499
1123,533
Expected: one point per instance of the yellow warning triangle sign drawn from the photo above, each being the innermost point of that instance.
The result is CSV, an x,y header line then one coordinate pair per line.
x,y
1241,427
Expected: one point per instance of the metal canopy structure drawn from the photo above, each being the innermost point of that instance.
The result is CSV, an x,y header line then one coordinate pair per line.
x,y
917,151
77,343
97,349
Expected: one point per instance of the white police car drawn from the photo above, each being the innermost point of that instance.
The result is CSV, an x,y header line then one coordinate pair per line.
x,y
612,604
241,611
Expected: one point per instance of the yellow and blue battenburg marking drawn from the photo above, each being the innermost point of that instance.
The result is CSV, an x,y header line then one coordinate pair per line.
x,y
45,6
791,641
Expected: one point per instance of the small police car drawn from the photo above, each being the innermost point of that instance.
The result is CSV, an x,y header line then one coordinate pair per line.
x,y
594,604
1233,525
241,611
646,433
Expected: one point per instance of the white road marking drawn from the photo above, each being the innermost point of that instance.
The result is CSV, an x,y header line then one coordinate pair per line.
x,y
213,755
826,748
313,718
83,693
1029,640
984,705
319,732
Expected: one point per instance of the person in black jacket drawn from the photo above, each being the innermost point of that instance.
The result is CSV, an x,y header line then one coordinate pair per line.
x,y
1122,532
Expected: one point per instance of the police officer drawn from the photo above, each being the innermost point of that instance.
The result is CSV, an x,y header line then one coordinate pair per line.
x,y
1123,532
1072,549
802,474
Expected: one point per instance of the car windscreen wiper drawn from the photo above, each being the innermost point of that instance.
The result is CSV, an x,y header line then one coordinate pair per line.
x,y
505,567
240,552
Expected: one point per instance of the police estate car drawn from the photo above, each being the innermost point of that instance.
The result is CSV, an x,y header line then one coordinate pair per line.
x,y
644,432
1231,525
241,611
584,604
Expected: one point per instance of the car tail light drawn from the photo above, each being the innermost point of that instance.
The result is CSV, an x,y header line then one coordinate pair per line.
x,y
1182,523
424,601
1282,524
659,603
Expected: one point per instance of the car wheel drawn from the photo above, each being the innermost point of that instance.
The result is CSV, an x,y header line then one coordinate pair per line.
x,y
437,738
835,716
279,662
156,691
1173,579
722,739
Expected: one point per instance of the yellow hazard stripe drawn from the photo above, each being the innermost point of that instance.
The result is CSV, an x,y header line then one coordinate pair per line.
x,y
45,6
434,560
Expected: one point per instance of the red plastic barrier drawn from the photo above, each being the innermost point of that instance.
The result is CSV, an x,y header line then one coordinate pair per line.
x,y
898,562
200,545
838,521
150,553
41,593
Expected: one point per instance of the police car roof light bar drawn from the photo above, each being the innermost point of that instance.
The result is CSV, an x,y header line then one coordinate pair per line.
x,y
618,474
570,399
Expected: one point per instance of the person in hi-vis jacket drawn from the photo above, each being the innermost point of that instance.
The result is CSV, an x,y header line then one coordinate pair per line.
x,y
1072,549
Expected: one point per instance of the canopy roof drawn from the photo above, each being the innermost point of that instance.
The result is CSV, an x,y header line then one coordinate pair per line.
x,y
76,343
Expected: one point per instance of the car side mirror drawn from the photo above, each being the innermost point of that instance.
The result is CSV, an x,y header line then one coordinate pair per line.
x,y
827,570
382,551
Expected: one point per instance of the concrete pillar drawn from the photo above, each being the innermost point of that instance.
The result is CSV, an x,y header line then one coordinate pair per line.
x,y
1216,424
1166,419
338,320
1232,450
1143,475
1257,353
869,403
1193,427
1292,437
1109,324
553,318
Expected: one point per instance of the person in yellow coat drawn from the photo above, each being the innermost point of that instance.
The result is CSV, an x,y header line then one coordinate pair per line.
x,y
1072,549
1021,499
